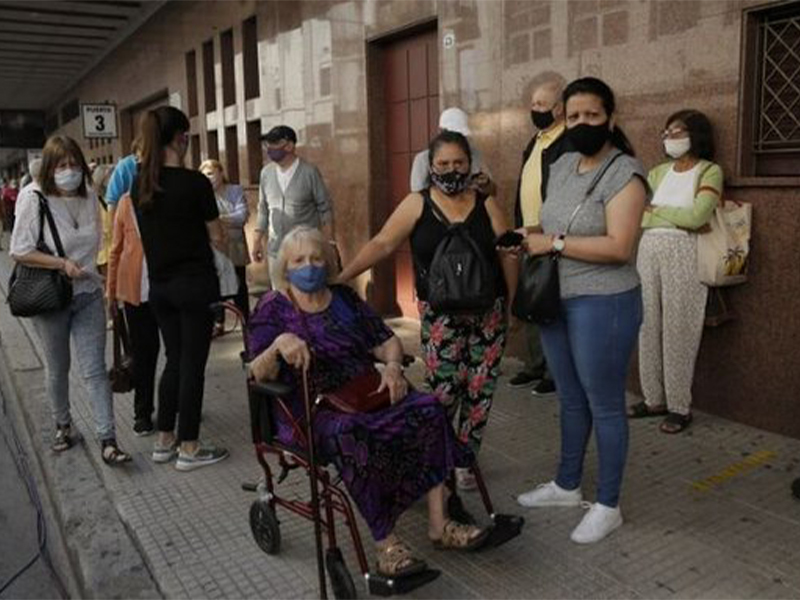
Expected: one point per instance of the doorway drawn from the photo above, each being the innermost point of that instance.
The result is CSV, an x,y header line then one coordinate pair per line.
x,y
405,110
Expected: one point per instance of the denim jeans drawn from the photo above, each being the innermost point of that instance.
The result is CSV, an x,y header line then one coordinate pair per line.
x,y
588,350
83,322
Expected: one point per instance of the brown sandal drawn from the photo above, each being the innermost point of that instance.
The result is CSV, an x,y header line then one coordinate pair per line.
x,y
457,536
111,453
396,560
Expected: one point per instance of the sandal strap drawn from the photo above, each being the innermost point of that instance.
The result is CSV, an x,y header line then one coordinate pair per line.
x,y
394,557
112,453
458,535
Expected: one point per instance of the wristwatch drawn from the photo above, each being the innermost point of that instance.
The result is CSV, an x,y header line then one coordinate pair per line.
x,y
558,243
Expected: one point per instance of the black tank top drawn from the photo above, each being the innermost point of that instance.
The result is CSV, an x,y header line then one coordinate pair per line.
x,y
429,231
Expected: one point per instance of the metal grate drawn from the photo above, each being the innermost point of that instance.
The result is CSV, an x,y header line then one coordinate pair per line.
x,y
779,96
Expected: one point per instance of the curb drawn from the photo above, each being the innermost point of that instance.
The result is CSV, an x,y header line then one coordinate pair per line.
x,y
92,549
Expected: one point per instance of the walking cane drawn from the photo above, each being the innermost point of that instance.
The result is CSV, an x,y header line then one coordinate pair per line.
x,y
312,461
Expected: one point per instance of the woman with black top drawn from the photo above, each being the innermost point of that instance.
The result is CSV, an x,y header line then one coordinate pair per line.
x,y
462,351
177,215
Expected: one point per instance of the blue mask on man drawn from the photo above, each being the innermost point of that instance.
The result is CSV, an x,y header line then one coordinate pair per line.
x,y
308,279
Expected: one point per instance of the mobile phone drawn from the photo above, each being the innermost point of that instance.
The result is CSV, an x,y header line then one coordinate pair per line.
x,y
510,239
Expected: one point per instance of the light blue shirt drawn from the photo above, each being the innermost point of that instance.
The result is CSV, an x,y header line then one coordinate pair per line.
x,y
122,179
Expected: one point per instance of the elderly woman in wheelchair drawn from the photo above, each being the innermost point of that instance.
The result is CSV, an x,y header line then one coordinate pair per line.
x,y
391,445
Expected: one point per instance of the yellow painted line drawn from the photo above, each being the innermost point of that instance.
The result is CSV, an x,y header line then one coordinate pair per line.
x,y
738,468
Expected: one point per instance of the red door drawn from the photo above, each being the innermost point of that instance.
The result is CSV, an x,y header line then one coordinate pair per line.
x,y
411,80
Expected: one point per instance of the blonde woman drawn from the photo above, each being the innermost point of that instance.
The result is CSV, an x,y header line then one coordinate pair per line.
x,y
233,213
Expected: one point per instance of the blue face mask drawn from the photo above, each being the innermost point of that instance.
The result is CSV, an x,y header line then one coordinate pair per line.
x,y
308,279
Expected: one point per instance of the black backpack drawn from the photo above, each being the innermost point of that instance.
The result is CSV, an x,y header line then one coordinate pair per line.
x,y
460,278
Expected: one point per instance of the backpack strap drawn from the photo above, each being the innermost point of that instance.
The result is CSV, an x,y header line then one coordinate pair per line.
x,y
479,200
426,196
44,213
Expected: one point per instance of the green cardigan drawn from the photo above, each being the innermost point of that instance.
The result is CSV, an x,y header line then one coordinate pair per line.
x,y
708,191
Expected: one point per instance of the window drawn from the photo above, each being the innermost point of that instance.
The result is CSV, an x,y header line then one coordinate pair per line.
x,y
194,147
228,77
209,82
212,140
771,92
232,153
250,58
191,81
593,23
325,81
254,156
527,31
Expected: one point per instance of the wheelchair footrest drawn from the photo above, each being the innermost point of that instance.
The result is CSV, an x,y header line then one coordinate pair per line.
x,y
380,585
504,529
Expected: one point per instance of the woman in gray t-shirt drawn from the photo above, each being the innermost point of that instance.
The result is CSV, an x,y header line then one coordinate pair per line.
x,y
588,348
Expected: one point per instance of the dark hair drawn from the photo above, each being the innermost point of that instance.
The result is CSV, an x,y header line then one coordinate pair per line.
x,y
701,133
599,88
159,127
57,148
280,133
448,137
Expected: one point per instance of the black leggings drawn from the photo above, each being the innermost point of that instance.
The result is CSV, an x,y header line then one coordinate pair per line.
x,y
182,309
145,345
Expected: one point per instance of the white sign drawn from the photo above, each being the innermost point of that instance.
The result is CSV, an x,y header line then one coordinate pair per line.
x,y
99,120
449,39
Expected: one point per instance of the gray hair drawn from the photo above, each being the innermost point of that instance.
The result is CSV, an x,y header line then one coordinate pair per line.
x,y
298,236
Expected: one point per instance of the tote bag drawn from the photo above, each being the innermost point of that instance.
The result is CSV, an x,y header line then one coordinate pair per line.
x,y
723,250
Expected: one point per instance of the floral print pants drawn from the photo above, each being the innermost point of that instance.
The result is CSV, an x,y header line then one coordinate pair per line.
x,y
462,363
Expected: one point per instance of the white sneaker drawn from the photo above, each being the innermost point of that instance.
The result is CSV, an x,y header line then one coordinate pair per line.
x,y
550,494
596,524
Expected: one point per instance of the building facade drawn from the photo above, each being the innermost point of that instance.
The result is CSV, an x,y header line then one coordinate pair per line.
x,y
363,83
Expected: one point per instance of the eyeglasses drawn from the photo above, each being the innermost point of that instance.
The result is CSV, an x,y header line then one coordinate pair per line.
x,y
674,132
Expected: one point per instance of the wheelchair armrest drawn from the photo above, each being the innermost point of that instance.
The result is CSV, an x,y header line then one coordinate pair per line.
x,y
271,388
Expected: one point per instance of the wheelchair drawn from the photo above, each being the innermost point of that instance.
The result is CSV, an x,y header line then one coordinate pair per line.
x,y
329,499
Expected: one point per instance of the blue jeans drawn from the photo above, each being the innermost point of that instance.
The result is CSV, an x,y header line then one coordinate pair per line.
x,y
83,322
588,350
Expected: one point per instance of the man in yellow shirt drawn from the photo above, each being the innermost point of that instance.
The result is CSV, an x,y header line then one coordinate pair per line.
x,y
545,147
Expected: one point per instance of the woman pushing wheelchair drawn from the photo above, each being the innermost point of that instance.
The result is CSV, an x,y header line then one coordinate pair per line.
x,y
389,457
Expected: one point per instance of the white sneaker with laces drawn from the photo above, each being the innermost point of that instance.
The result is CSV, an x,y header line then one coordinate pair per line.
x,y
550,494
597,524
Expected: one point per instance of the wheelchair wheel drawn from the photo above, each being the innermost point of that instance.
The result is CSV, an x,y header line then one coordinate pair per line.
x,y
341,581
265,527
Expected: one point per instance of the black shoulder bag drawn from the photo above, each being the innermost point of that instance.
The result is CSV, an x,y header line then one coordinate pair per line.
x,y
538,297
35,290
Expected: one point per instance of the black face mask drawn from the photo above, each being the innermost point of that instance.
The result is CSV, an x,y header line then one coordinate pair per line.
x,y
588,139
450,183
542,120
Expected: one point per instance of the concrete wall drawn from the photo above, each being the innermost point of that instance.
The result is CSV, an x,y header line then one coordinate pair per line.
x,y
658,56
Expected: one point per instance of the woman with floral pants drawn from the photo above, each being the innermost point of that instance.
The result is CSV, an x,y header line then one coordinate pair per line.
x,y
462,363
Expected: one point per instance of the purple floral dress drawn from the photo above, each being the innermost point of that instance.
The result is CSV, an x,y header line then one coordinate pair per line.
x,y
387,459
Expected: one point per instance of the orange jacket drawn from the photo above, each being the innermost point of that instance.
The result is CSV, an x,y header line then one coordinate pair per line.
x,y
125,257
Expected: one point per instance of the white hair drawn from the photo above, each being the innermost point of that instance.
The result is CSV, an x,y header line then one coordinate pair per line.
x,y
297,237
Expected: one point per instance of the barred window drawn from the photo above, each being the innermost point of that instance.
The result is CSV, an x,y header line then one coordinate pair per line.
x,y
771,106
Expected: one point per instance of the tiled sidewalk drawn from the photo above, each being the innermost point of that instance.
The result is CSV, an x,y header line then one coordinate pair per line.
x,y
695,526
708,513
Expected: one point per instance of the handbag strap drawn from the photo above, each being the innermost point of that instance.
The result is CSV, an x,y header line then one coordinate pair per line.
x,y
44,213
590,189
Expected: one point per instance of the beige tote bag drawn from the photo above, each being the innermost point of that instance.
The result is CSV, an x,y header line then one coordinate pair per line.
x,y
722,252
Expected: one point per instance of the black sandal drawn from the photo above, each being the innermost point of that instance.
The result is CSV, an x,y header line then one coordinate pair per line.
x,y
111,453
641,410
63,438
675,423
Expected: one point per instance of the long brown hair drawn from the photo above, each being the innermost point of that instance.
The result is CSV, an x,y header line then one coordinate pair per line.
x,y
57,148
159,127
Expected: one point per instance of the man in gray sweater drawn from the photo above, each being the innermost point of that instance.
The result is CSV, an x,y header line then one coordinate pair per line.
x,y
291,193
